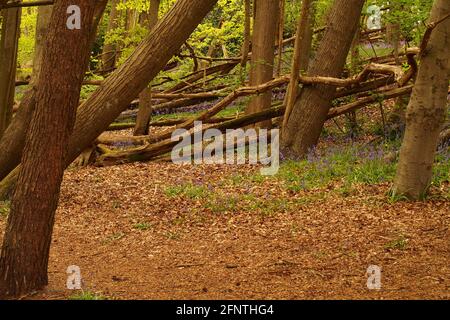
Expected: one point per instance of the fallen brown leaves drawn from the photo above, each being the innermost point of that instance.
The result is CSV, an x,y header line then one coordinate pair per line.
x,y
134,239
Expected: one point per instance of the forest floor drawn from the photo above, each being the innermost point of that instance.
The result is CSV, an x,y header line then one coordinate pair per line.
x,y
164,231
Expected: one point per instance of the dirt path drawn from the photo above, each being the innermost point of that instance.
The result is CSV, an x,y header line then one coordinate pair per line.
x,y
134,234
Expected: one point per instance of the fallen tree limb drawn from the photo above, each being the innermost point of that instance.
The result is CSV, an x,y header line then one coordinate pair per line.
x,y
149,152
164,123
334,112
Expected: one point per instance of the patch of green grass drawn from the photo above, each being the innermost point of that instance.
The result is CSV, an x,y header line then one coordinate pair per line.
x,y
394,197
4,208
399,244
142,226
352,164
188,190
219,203
87,295
441,168
237,179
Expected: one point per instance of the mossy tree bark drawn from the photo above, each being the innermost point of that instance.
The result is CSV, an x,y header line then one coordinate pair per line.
x,y
426,111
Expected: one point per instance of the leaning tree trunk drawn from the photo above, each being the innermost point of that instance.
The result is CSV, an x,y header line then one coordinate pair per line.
x,y
302,51
26,243
144,115
121,87
426,110
263,52
306,120
8,64
43,19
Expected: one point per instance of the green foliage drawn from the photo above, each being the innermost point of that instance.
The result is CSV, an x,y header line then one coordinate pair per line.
x,y
409,14
27,40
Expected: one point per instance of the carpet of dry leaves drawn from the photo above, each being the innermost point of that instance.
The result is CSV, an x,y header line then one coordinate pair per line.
x,y
133,239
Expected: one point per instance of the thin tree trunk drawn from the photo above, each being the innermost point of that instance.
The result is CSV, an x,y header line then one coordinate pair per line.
x,y
43,19
109,54
302,51
246,44
426,111
26,244
8,64
306,119
280,37
145,97
263,53
144,116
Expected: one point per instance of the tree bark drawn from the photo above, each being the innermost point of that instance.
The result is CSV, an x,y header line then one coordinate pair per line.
x,y
145,97
43,19
246,44
8,63
263,53
426,111
305,122
144,116
302,51
26,244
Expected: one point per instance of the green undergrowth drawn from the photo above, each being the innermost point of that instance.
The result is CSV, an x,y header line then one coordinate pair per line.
x,y
87,295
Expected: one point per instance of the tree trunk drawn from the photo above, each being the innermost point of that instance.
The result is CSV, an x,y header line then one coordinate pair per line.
x,y
43,19
8,63
109,54
145,98
305,122
426,111
280,36
302,51
144,116
263,52
246,44
26,243
122,86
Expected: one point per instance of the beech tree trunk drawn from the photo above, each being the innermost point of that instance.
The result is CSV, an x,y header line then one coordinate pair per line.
x,y
426,111
121,87
145,98
263,52
302,51
26,244
306,120
8,63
